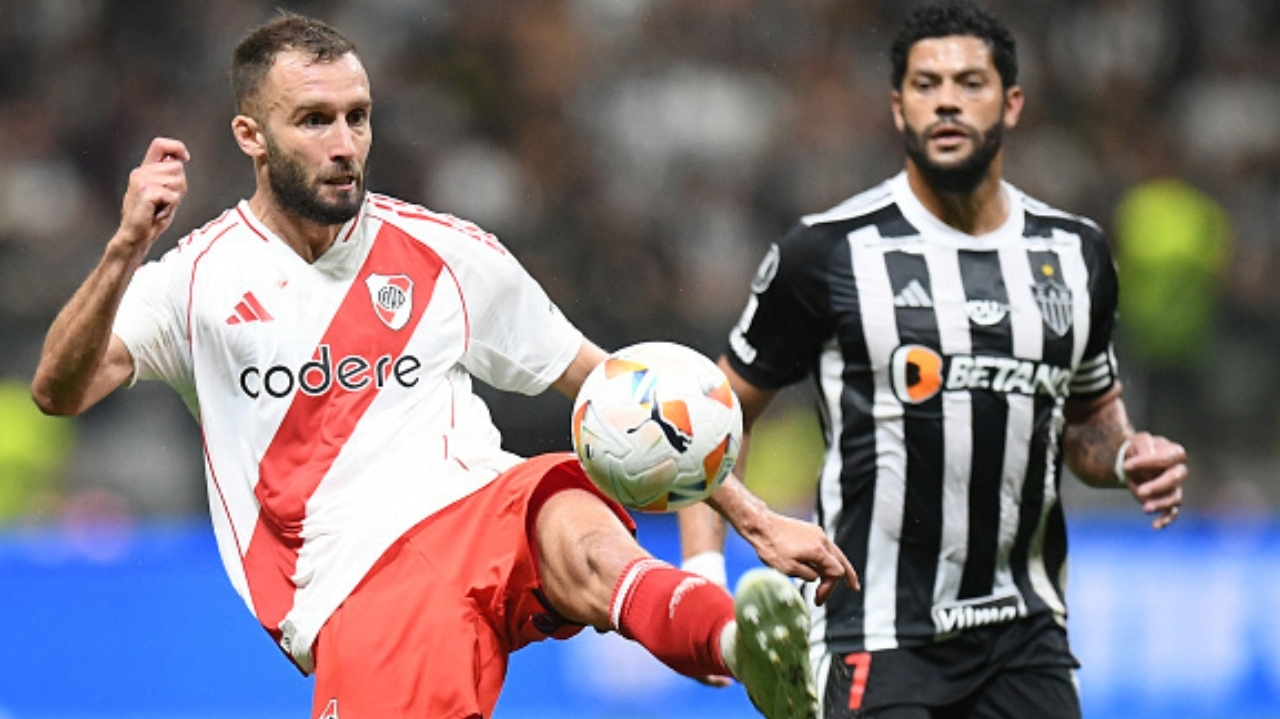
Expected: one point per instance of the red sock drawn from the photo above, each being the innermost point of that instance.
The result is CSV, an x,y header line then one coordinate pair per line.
x,y
676,615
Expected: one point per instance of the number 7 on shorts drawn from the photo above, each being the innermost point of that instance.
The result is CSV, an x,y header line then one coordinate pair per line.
x,y
860,663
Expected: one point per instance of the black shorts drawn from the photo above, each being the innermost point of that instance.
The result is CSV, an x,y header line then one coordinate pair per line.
x,y
1021,669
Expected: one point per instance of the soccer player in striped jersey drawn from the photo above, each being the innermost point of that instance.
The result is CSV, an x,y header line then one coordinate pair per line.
x,y
959,337
326,339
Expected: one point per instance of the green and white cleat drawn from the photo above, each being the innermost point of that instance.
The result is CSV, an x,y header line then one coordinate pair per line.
x,y
768,647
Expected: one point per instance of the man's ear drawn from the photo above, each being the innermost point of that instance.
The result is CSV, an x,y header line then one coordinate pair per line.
x,y
249,136
895,105
1013,100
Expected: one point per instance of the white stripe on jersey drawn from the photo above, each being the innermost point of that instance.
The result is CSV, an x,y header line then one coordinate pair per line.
x,y
875,299
1028,341
831,387
1028,326
1036,570
1076,276
953,332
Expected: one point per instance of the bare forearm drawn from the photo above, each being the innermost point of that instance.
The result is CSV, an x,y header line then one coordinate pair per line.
x,y
702,526
1092,440
80,364
748,514
76,345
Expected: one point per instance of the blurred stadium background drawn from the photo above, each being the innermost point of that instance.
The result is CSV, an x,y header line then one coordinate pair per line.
x,y
638,156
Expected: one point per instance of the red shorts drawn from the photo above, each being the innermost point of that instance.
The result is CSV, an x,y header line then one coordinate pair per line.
x,y
428,631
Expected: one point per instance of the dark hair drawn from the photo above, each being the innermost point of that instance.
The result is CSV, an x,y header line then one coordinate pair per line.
x,y
257,52
955,17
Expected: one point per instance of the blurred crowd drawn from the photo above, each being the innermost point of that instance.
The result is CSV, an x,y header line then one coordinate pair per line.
x,y
638,156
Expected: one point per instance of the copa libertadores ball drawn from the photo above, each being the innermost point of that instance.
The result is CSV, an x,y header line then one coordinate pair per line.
x,y
657,426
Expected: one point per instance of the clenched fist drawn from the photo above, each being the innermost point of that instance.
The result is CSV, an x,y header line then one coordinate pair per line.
x,y
156,188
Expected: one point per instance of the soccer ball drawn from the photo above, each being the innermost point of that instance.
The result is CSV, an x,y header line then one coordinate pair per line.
x,y
657,426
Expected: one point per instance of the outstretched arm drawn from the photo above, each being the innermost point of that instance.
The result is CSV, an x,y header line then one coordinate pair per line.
x,y
1103,450
82,361
792,546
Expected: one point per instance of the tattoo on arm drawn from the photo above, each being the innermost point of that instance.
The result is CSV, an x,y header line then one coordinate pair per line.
x,y
1093,437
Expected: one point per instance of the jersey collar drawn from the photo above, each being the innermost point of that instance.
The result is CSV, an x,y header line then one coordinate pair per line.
x,y
346,248
928,224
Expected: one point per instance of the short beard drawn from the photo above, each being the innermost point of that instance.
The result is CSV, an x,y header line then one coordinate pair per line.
x,y
293,190
963,177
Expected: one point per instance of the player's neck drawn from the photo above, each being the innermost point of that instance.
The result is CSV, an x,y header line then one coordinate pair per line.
x,y
977,212
309,239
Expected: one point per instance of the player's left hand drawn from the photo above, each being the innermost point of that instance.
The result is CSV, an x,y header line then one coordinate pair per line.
x,y
801,549
1156,469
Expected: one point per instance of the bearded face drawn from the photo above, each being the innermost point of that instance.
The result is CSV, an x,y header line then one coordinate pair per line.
x,y
960,175
331,196
953,108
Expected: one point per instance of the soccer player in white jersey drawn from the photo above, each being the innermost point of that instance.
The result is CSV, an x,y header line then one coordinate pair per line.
x,y
958,334
326,340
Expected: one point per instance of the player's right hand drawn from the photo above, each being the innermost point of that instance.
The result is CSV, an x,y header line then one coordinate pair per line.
x,y
801,549
156,188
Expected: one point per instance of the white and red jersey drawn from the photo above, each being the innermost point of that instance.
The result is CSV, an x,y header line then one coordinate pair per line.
x,y
335,397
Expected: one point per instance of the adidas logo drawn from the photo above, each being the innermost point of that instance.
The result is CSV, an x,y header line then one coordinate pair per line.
x,y
249,309
913,295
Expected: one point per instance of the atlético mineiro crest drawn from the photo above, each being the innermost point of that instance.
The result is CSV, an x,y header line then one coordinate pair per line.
x,y
392,297
1054,299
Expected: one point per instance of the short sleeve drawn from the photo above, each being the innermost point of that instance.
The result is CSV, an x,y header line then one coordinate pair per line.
x,y
1098,370
787,319
519,339
152,322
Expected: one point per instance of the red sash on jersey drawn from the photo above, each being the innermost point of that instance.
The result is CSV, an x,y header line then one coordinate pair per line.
x,y
316,427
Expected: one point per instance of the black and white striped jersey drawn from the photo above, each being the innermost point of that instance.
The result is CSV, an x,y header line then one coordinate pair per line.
x,y
941,363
